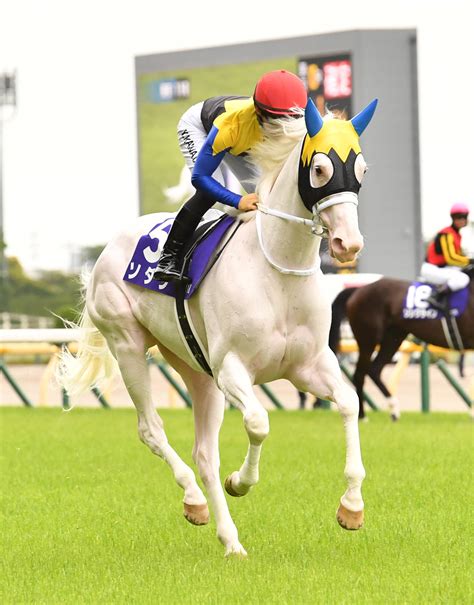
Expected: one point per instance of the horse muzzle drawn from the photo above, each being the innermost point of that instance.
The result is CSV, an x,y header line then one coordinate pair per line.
x,y
341,221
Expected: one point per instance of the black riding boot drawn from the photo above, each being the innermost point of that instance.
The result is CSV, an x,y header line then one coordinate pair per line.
x,y
440,299
169,266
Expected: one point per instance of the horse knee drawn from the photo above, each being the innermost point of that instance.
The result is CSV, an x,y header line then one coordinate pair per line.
x,y
348,402
257,425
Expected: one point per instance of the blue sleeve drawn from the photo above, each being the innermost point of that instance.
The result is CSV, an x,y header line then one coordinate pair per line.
x,y
205,166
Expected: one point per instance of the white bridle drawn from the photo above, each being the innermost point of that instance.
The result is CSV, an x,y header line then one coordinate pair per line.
x,y
318,227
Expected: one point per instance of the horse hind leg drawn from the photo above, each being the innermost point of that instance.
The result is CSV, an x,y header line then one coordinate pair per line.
x,y
130,347
361,370
389,346
208,409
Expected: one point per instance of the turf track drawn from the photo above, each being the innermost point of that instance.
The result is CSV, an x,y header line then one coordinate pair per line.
x,y
90,516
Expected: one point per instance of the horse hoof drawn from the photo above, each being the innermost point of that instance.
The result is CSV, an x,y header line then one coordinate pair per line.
x,y
229,488
349,519
197,514
236,552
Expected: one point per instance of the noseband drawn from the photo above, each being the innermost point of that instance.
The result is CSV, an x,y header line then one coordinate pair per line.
x,y
317,225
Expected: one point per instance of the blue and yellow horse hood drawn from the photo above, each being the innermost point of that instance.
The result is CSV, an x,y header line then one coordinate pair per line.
x,y
339,141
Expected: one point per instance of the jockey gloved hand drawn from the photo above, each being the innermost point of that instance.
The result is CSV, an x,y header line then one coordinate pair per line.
x,y
248,202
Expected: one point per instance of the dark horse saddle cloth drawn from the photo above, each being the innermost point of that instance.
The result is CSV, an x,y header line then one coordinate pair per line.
x,y
199,255
416,306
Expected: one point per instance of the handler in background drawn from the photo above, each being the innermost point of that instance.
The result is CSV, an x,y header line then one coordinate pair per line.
x,y
224,129
444,259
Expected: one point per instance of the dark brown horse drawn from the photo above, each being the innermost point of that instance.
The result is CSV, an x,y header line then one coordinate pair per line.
x,y
374,312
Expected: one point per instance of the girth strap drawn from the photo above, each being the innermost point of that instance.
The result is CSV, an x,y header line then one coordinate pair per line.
x,y
191,341
451,333
187,331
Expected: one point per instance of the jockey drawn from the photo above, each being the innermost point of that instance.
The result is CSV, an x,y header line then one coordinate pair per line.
x,y
444,259
223,129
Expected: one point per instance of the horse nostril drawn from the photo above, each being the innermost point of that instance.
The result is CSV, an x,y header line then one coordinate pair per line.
x,y
345,250
338,245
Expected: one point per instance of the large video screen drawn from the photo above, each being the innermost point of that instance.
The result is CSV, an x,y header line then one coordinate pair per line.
x,y
328,80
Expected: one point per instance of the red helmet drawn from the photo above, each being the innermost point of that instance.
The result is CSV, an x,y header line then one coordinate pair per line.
x,y
277,92
459,208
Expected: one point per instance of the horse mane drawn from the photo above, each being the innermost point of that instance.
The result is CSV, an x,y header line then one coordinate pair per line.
x,y
279,139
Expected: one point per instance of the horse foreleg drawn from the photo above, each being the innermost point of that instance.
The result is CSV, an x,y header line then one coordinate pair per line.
x,y
130,350
208,409
325,380
234,381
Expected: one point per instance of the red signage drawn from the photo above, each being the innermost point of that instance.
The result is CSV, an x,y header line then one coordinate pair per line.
x,y
337,79
328,80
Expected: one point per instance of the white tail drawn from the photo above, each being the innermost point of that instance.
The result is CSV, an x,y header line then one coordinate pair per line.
x,y
93,361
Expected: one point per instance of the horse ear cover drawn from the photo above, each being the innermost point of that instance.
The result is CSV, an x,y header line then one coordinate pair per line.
x,y
313,119
362,119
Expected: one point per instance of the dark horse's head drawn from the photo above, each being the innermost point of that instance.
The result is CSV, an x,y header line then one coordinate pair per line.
x,y
332,168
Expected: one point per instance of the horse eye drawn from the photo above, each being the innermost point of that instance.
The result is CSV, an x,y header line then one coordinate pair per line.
x,y
360,167
322,170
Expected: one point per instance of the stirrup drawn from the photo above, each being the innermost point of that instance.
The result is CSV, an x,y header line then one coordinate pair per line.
x,y
170,273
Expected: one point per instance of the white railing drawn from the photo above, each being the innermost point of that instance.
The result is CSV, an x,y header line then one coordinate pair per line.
x,y
20,320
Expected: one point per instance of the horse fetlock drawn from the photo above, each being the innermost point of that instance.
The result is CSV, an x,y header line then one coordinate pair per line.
x,y
229,538
249,476
352,499
257,426
394,407
236,550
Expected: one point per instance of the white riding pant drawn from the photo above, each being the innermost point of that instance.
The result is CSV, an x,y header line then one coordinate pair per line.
x,y
453,277
233,173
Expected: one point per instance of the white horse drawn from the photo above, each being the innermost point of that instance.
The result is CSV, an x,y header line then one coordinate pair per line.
x,y
261,314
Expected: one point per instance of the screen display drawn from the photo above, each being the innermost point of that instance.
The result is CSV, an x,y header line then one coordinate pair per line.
x,y
328,80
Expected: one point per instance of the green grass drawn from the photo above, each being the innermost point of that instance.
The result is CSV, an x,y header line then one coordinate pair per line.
x,y
90,516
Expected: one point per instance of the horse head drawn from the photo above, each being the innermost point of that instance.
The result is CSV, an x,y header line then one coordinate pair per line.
x,y
330,174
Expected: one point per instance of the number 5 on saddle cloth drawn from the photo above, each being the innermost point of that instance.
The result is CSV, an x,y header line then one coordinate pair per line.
x,y
199,258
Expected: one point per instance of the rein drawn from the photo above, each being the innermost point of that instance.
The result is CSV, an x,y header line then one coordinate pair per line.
x,y
318,228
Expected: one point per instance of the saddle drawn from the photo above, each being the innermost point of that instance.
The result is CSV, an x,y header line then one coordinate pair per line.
x,y
199,254
421,303
418,303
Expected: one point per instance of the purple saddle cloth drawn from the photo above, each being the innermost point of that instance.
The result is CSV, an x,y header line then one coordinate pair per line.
x,y
415,305
143,263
